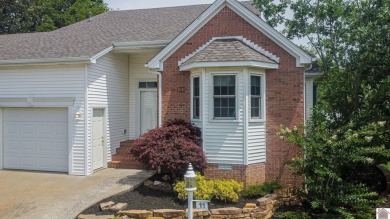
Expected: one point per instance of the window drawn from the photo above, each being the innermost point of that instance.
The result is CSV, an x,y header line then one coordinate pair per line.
x,y
196,98
315,95
224,96
256,97
147,85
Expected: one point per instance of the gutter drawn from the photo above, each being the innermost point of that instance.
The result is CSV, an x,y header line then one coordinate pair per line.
x,y
159,75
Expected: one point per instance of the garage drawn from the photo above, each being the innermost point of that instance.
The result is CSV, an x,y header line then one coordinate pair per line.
x,y
35,139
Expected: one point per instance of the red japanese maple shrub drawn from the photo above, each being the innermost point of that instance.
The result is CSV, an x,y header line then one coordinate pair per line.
x,y
171,147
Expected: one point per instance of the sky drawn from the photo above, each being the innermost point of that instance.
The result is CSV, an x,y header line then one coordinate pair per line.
x,y
140,4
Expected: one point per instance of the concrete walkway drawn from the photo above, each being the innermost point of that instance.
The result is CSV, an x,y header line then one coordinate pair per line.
x,y
53,195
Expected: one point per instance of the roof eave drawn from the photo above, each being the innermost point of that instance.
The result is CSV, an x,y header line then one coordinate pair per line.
x,y
46,61
53,61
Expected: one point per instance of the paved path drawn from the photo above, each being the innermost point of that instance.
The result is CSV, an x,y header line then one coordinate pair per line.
x,y
53,195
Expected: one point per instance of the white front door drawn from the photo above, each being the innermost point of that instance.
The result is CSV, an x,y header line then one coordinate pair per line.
x,y
148,117
98,140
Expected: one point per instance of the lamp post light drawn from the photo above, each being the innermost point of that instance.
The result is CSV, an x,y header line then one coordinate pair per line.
x,y
190,181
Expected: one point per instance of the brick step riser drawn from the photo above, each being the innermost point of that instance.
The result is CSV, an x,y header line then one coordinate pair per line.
x,y
126,144
122,151
120,155
126,161
125,166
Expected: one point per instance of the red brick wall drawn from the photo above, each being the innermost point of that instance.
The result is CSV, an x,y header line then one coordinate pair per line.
x,y
249,175
285,98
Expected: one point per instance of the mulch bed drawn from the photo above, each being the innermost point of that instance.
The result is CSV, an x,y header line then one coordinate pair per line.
x,y
145,198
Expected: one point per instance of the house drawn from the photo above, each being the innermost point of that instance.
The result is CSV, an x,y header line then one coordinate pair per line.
x,y
70,96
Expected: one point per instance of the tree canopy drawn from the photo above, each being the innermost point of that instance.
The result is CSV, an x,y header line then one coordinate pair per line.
x,y
350,127
25,16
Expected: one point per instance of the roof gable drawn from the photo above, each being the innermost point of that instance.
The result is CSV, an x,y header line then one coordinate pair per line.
x,y
301,57
230,50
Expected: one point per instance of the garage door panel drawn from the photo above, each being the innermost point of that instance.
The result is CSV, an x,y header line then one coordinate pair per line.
x,y
35,138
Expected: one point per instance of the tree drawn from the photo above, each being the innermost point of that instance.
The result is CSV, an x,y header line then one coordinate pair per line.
x,y
24,16
350,127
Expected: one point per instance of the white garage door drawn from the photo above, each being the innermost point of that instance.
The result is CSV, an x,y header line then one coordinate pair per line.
x,y
35,139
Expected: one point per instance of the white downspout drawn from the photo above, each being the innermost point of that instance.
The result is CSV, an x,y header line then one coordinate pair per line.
x,y
159,75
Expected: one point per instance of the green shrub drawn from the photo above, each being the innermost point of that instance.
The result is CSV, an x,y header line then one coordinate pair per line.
x,y
261,189
227,190
204,189
222,190
294,215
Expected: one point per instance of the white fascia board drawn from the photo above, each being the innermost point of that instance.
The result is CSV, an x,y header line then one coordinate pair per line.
x,y
141,44
46,61
157,61
253,64
101,53
301,56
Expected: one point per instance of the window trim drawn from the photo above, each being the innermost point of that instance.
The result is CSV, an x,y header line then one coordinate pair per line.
x,y
211,95
196,75
262,117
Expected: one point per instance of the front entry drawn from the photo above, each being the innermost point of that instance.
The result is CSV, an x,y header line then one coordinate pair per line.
x,y
148,110
98,139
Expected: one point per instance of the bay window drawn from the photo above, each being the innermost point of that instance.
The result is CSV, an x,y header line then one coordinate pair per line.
x,y
255,91
224,88
196,98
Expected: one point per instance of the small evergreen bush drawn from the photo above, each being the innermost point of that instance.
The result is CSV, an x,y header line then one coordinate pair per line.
x,y
204,189
171,147
294,215
257,190
222,190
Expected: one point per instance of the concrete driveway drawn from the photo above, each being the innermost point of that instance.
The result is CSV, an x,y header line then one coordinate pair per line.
x,y
53,195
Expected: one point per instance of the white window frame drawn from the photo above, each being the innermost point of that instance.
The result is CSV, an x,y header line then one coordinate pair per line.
x,y
262,97
228,119
196,75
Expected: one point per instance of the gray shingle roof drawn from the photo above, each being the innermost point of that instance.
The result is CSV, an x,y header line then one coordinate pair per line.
x,y
84,39
222,50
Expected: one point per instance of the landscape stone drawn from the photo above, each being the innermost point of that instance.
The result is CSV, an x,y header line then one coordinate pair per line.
x,y
263,201
250,205
119,207
168,213
105,206
166,177
136,213
156,183
148,183
199,212
271,196
261,214
225,211
92,216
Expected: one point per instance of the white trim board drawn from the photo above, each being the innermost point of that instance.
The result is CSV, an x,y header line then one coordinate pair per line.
x,y
217,6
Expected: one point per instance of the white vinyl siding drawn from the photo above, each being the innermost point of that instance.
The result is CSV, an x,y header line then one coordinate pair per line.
x,y
223,140
137,73
52,82
309,83
256,142
108,88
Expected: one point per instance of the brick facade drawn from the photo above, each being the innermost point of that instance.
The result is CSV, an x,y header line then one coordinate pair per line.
x,y
248,174
284,103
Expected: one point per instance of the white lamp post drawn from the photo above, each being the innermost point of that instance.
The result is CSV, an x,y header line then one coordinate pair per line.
x,y
190,181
